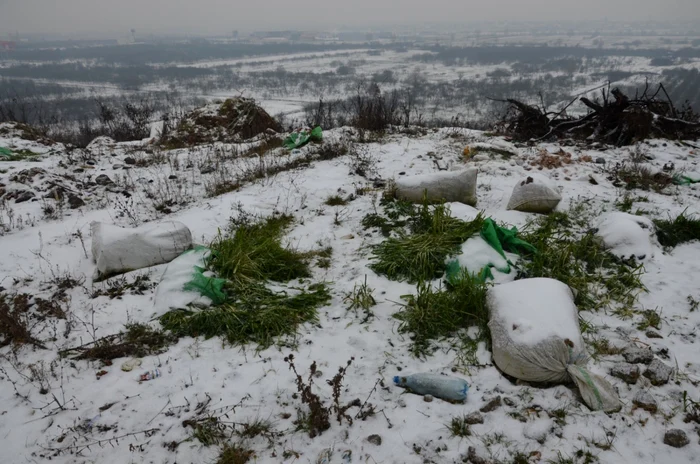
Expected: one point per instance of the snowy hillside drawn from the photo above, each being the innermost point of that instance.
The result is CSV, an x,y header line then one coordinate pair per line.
x,y
212,395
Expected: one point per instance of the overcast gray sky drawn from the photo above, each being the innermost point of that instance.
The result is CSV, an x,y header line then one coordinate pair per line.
x,y
221,16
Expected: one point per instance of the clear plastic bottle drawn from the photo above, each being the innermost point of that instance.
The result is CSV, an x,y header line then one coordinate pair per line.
x,y
150,375
440,386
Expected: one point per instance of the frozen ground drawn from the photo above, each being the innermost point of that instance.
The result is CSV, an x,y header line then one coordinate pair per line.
x,y
52,407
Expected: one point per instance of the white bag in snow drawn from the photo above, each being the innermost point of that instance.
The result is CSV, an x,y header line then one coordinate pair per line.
x,y
626,235
171,293
459,186
116,250
534,194
536,337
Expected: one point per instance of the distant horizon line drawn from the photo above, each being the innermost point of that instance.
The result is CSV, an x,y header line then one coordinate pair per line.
x,y
119,33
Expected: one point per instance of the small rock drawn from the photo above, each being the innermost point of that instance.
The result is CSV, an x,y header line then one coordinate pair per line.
x,y
24,196
646,401
636,355
509,402
600,160
627,372
91,162
207,169
172,177
401,403
129,160
473,458
347,237
103,179
78,170
676,438
491,405
74,201
474,418
428,398
117,166
658,373
652,334
375,440
402,173
592,180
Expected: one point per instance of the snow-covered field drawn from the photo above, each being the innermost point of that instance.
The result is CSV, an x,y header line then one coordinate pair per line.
x,y
57,408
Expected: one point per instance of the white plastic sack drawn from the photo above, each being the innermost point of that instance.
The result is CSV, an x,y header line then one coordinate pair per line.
x,y
449,186
534,194
116,250
171,293
536,338
626,235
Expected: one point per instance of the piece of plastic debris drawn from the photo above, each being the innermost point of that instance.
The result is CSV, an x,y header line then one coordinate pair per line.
x,y
150,375
440,386
129,365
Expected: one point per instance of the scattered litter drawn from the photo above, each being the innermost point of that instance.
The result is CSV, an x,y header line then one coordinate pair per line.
x,y
536,337
150,375
440,386
131,364
488,251
459,186
186,283
300,138
116,250
534,194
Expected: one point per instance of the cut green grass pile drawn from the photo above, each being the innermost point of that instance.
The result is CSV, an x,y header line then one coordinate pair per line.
x,y
673,232
433,314
258,316
254,252
249,257
569,253
419,254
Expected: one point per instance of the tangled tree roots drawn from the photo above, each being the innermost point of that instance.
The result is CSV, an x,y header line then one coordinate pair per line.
x,y
616,119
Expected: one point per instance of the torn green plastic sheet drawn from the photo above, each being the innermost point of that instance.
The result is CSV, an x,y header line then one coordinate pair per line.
x,y
501,240
685,180
299,139
211,287
5,152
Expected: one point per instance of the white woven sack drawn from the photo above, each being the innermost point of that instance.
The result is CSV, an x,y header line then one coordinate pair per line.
x,y
533,194
536,337
117,250
449,186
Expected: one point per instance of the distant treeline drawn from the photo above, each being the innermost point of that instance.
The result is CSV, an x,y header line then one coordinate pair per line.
x,y
538,54
139,54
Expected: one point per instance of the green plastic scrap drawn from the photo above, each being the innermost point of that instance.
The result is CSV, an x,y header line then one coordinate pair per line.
x,y
684,180
299,139
501,240
211,287
5,152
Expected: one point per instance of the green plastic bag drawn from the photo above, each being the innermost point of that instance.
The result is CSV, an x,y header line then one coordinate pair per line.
x,y
684,180
501,240
299,139
5,152
211,287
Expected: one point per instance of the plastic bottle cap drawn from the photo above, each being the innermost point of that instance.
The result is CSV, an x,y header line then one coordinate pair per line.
x,y
397,380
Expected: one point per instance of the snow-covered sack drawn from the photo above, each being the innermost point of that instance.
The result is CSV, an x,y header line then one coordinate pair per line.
x,y
536,338
116,250
534,194
459,186
626,235
173,291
